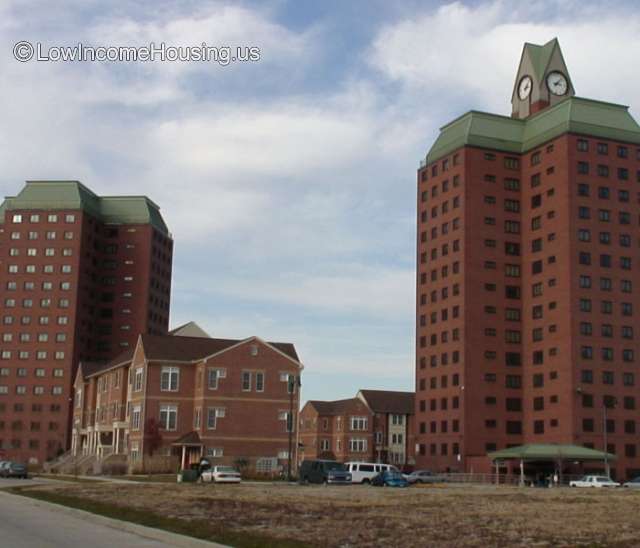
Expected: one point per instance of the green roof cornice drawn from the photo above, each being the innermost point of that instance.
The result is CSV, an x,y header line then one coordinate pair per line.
x,y
61,195
573,115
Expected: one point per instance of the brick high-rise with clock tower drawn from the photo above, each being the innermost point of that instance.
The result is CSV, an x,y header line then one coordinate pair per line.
x,y
528,290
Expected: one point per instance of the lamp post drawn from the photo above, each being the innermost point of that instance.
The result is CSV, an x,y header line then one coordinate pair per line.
x,y
605,404
294,381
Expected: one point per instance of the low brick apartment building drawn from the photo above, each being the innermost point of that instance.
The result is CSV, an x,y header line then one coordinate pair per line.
x,y
189,397
376,426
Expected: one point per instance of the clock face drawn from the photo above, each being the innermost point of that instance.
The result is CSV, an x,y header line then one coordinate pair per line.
x,y
557,83
524,87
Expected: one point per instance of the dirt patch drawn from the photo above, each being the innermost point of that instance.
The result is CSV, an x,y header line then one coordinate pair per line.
x,y
460,516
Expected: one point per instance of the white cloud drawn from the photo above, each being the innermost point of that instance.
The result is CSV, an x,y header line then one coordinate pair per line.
x,y
340,288
458,52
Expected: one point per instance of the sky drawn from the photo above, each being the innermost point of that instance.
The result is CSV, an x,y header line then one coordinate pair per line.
x,y
288,183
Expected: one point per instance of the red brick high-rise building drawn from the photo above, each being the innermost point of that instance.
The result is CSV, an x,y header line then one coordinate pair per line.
x,y
528,292
81,277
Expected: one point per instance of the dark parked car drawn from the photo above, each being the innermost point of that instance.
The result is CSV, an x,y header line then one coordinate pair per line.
x,y
390,478
14,470
424,476
324,471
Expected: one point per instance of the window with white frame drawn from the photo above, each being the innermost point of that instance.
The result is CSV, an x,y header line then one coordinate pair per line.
x,y
169,417
212,378
169,379
197,417
378,438
357,445
137,381
135,417
246,381
213,414
397,419
259,381
215,452
285,416
359,423
78,398
325,445
283,454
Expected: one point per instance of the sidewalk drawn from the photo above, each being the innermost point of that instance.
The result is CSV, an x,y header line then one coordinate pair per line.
x,y
57,522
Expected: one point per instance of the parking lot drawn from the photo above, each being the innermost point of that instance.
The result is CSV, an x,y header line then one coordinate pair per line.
x,y
442,515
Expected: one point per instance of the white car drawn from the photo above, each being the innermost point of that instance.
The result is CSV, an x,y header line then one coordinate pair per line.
x,y
364,472
633,484
221,474
594,481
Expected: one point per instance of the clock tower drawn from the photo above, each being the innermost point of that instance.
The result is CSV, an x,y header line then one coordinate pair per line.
x,y
542,79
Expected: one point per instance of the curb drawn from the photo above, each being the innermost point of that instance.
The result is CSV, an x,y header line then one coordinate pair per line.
x,y
173,539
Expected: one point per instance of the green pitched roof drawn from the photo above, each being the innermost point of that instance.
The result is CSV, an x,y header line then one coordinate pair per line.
x,y
549,451
540,56
56,195
573,115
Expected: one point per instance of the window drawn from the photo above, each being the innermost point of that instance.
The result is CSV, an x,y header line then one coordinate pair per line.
x,y
169,417
137,383
213,376
513,381
584,212
359,423
357,445
246,381
135,417
512,184
584,235
512,227
260,381
511,163
213,414
169,377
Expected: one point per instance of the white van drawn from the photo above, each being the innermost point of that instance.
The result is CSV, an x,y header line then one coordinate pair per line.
x,y
364,472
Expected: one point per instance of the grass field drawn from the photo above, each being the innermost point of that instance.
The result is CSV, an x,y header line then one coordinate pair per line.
x,y
290,515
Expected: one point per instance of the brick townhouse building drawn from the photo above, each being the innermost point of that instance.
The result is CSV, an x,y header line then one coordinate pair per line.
x,y
376,426
189,397
81,276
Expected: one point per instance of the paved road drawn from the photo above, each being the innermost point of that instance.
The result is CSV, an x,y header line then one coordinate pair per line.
x,y
26,523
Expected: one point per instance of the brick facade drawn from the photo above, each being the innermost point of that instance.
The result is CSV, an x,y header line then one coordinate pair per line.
x,y
230,398
525,312
81,277
371,427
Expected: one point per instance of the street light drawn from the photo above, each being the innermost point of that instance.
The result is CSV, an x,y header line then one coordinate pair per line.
x,y
605,405
293,382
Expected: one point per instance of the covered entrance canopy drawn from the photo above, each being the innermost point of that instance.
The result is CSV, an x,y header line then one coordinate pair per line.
x,y
192,448
555,452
